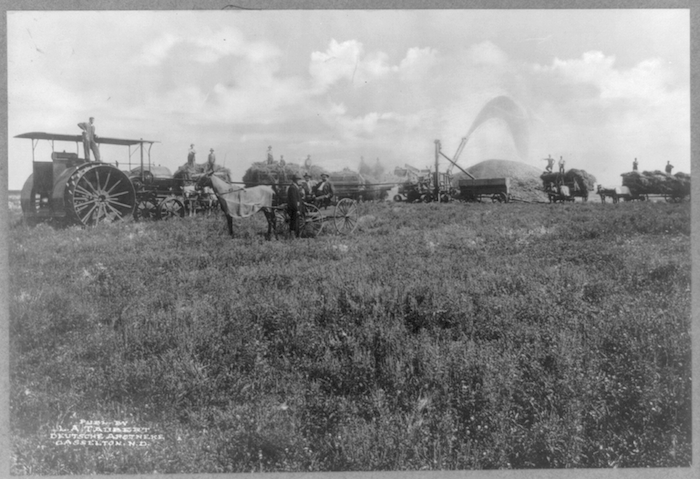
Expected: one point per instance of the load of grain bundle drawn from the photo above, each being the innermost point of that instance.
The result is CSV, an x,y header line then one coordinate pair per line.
x,y
657,183
196,171
582,176
261,173
579,180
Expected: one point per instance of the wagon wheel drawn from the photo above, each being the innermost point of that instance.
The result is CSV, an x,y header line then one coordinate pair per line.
x,y
398,198
499,198
99,193
345,216
146,208
313,221
171,208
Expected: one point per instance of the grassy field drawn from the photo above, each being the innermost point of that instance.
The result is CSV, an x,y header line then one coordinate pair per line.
x,y
458,336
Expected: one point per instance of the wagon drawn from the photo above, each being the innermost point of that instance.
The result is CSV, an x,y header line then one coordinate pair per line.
x,y
559,193
476,190
343,215
655,184
161,195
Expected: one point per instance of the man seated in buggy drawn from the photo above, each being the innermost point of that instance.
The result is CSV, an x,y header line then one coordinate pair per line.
x,y
322,193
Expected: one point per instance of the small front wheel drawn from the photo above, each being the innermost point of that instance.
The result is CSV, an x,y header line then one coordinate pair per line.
x,y
171,208
312,222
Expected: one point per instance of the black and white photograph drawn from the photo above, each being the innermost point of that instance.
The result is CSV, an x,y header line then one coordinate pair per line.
x,y
259,237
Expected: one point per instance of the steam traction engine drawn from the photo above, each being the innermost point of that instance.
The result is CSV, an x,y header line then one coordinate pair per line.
x,y
77,190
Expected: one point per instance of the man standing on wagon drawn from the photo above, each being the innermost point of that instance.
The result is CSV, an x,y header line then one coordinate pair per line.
x,y
550,163
211,162
294,205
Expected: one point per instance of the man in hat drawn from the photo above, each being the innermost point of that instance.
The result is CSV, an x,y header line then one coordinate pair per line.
x,y
669,167
89,139
324,191
211,162
191,154
308,185
295,205
635,165
550,163
270,158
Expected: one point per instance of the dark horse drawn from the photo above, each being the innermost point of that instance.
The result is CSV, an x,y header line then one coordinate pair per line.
x,y
240,202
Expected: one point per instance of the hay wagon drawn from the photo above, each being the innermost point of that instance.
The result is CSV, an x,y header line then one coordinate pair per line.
x,y
562,187
656,184
477,190
161,195
559,193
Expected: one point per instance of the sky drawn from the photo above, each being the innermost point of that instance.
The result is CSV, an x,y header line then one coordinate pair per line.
x,y
596,87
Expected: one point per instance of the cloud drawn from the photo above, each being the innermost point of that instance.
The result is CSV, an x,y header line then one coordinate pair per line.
x,y
206,47
647,81
486,54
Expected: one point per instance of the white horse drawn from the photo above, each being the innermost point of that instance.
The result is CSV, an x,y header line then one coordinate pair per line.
x,y
240,202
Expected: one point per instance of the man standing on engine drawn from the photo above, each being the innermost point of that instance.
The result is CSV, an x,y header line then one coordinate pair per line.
x,y
89,139
669,167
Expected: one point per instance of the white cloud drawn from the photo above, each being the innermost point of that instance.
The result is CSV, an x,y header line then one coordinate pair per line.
x,y
486,53
156,51
648,80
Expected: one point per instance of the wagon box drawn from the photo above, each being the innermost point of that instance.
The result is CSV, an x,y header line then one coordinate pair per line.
x,y
473,189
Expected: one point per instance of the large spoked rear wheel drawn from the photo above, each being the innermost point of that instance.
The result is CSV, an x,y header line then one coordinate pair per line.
x,y
345,216
312,222
171,208
99,193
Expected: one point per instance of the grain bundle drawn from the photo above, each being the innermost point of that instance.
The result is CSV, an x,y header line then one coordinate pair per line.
x,y
262,173
573,178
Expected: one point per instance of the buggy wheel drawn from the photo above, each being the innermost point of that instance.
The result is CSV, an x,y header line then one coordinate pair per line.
x,y
99,193
312,222
398,198
281,223
171,208
345,216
